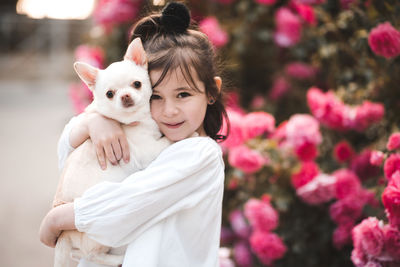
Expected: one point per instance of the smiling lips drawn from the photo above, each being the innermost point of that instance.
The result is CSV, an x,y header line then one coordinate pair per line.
x,y
174,125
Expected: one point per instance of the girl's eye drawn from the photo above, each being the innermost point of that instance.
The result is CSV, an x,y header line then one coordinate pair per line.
x,y
137,84
183,94
154,97
110,94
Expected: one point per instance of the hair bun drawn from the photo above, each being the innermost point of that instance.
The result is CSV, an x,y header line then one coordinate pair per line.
x,y
175,17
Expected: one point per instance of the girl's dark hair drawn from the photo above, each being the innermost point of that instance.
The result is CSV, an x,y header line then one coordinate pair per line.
x,y
170,44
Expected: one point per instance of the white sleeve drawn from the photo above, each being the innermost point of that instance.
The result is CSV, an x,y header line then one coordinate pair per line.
x,y
64,147
182,176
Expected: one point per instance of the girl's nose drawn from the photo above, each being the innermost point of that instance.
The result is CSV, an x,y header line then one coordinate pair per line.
x,y
170,109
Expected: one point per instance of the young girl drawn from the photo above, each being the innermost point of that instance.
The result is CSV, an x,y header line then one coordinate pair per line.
x,y
178,197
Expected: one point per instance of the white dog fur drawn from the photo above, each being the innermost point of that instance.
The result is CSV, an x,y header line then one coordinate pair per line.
x,y
129,82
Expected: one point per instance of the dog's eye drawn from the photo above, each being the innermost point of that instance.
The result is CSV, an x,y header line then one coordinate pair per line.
x,y
110,94
137,84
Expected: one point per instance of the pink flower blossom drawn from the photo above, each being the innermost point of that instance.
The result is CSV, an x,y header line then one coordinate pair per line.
x,y
346,210
342,234
366,114
238,224
306,151
394,142
236,135
266,2
311,2
303,128
242,254
358,257
261,215
245,159
343,151
377,158
110,12
308,171
319,190
361,165
288,28
279,88
300,70
347,183
80,96
369,236
280,132
267,246
306,12
258,123
384,40
258,102
392,165
391,200
211,27
392,241
92,55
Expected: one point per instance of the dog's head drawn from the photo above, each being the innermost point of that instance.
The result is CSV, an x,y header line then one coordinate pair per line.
x,y
122,91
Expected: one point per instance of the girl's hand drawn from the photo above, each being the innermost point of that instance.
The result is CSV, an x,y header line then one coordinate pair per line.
x,y
58,219
108,138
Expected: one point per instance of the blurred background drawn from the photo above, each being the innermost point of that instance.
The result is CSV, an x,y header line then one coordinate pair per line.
x,y
314,106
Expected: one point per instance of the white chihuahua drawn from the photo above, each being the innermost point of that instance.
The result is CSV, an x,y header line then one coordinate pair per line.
x,y
122,92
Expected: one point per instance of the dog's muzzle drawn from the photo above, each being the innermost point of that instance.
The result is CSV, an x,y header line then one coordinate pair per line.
x,y
127,101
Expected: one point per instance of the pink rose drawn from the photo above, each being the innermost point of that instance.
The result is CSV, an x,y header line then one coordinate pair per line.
x,y
80,95
110,12
346,210
261,215
342,234
279,88
311,2
266,2
258,102
302,128
306,151
242,254
366,114
394,142
319,190
377,158
245,159
391,200
288,28
236,135
308,171
93,55
211,27
258,123
306,12
358,257
392,165
384,40
347,183
343,151
300,70
368,236
267,246
361,165
392,241
238,224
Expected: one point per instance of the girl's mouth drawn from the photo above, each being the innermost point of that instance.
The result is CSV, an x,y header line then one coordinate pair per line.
x,y
174,125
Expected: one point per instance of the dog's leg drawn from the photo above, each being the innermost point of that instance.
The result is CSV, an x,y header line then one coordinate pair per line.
x,y
62,251
106,259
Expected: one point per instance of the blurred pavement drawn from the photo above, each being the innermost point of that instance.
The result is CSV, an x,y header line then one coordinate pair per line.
x,y
34,107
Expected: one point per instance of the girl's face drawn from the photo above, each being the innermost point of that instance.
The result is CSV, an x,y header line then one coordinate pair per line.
x,y
178,109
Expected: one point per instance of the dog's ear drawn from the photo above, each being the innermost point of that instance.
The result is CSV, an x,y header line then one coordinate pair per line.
x,y
87,73
136,53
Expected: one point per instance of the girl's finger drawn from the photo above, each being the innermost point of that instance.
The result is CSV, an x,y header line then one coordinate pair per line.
x,y
125,149
101,157
110,154
116,147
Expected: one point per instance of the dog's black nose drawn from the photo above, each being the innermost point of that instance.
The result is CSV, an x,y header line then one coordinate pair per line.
x,y
127,101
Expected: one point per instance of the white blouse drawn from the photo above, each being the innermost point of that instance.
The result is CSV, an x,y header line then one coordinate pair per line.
x,y
168,214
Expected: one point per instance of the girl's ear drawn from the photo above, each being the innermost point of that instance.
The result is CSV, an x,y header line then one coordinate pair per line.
x,y
136,53
218,82
87,73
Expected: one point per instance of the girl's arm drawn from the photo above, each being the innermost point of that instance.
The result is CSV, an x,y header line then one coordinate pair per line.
x,y
106,134
185,174
59,218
